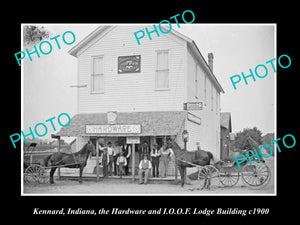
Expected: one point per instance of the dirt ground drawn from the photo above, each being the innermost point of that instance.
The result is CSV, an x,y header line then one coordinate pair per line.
x,y
125,187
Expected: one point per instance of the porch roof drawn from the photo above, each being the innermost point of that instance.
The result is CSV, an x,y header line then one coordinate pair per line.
x,y
159,123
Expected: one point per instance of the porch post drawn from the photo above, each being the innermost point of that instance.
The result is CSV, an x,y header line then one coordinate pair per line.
x,y
133,162
176,172
97,159
176,169
58,169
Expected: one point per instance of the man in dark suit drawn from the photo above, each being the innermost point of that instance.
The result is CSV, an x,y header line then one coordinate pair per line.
x,y
144,150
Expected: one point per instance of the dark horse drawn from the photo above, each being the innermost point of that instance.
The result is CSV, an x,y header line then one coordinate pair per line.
x,y
184,158
74,160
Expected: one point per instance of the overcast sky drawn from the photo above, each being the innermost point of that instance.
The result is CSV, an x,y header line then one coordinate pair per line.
x,y
236,48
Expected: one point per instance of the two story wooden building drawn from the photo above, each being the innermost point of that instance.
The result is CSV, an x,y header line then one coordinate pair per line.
x,y
150,91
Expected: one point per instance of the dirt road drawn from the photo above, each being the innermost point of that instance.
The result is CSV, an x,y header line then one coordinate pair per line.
x,y
113,187
123,186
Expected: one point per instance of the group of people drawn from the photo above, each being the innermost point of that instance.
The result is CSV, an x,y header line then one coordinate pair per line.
x,y
116,160
156,159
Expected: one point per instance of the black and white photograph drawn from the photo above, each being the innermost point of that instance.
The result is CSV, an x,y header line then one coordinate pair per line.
x,y
161,109
128,113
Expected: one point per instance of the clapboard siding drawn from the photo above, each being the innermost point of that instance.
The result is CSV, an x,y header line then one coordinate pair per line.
x,y
135,92
207,134
132,91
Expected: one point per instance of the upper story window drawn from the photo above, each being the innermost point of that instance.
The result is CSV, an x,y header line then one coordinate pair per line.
x,y
97,76
162,70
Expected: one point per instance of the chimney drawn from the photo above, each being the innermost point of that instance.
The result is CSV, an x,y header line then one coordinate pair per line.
x,y
211,61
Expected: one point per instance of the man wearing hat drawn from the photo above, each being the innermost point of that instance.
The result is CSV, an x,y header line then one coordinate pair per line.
x,y
155,154
144,149
144,167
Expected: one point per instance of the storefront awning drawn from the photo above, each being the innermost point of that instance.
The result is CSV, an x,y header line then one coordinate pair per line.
x,y
152,123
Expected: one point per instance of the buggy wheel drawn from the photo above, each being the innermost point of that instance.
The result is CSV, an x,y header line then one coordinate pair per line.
x,y
35,174
208,177
256,176
228,176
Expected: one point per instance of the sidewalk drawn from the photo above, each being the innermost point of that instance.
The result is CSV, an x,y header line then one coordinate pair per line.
x,y
93,177
73,174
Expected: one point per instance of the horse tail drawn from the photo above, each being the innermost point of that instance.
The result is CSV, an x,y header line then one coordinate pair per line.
x,y
210,155
46,160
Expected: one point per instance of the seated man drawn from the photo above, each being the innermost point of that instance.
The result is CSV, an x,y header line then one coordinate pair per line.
x,y
144,168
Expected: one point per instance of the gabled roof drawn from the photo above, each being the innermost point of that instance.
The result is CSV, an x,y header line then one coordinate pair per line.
x,y
225,118
73,51
153,123
190,43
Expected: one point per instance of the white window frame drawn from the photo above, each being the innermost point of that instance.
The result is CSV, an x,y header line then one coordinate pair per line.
x,y
167,69
93,75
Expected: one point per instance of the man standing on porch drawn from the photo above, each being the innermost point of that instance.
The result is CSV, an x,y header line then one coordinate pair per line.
x,y
144,168
144,149
105,161
121,162
117,151
110,153
166,154
126,149
155,154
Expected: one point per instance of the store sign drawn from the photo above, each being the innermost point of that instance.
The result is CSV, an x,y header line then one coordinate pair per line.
x,y
194,118
192,106
133,140
113,129
129,64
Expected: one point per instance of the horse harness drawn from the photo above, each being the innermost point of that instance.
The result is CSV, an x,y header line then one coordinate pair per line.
x,y
192,164
75,159
182,160
76,162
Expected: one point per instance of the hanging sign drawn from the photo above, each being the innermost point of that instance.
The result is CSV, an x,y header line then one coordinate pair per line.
x,y
192,106
133,140
129,64
193,118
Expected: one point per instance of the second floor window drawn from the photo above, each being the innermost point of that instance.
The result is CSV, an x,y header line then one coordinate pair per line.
x,y
97,76
162,70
